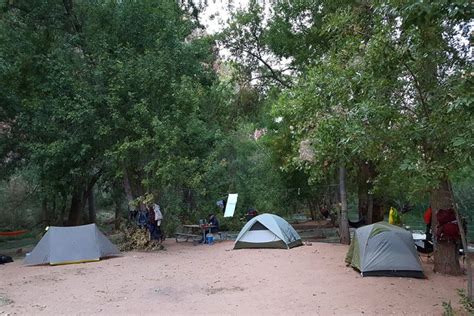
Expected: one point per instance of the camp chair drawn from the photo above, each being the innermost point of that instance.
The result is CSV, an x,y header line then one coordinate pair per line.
x,y
425,249
424,246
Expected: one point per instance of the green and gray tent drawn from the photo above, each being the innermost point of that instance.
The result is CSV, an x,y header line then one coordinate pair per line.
x,y
382,249
75,244
267,231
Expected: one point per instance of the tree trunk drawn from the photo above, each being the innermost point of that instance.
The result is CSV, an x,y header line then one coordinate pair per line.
x,y
189,200
62,214
44,212
312,207
117,216
75,211
363,190
78,200
446,256
127,188
378,209
343,222
53,211
370,209
366,200
91,204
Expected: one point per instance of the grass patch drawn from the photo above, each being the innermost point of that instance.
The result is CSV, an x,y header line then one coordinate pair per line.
x,y
4,300
466,302
467,306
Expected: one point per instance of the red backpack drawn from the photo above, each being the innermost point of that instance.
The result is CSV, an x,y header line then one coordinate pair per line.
x,y
446,216
447,225
427,216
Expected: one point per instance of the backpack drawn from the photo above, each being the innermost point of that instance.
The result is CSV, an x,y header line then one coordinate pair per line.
x,y
142,218
427,216
5,259
445,216
448,231
447,225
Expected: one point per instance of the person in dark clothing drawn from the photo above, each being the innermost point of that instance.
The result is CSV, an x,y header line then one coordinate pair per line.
x,y
251,213
212,220
132,214
142,217
152,225
428,242
427,218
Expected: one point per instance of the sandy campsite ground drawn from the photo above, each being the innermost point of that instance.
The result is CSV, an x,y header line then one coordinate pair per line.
x,y
215,280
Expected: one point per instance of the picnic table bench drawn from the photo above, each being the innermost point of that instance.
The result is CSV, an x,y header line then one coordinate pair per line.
x,y
186,237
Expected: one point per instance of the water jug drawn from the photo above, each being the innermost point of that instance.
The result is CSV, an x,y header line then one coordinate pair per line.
x,y
209,238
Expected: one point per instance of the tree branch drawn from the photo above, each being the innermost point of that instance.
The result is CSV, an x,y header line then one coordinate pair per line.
x,y
418,88
275,76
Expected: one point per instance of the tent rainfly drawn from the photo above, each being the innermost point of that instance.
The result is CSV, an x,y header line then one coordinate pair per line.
x,y
267,231
64,245
382,249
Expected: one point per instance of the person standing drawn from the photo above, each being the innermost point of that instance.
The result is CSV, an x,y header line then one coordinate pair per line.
x,y
427,216
152,227
142,217
158,220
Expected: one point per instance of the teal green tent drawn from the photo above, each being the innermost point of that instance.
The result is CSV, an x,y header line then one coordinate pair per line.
x,y
382,249
267,231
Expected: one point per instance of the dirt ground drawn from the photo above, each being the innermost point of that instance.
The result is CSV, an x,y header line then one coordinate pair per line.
x,y
216,280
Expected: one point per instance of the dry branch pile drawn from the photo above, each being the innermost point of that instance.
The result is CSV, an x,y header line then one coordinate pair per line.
x,y
135,238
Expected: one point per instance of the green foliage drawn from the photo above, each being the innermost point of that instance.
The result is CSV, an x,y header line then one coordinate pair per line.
x,y
467,305
104,88
465,301
94,92
385,83
448,309
19,204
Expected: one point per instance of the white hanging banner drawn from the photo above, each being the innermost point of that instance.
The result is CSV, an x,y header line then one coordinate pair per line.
x,y
230,205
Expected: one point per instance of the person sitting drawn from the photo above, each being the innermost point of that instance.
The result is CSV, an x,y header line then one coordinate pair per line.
x,y
324,212
212,220
251,213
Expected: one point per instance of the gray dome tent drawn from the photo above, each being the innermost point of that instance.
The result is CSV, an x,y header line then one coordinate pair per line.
x,y
75,244
267,231
382,249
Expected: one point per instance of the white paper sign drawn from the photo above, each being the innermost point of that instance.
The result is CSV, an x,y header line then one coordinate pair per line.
x,y
230,205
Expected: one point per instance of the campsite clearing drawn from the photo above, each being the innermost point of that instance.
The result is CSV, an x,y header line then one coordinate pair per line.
x,y
187,279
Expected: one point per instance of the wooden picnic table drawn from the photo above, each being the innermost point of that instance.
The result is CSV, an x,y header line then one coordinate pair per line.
x,y
203,229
